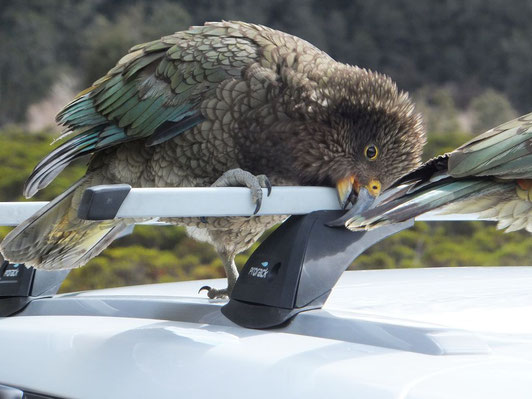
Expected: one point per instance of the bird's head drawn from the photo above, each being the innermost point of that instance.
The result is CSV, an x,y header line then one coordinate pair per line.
x,y
365,135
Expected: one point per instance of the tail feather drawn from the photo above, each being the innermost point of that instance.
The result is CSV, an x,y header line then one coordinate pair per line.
x,y
54,163
55,238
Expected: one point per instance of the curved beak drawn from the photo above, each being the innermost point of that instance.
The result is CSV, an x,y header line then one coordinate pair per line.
x,y
347,189
364,201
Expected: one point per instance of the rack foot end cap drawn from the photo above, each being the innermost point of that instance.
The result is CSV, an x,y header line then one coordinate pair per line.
x,y
258,316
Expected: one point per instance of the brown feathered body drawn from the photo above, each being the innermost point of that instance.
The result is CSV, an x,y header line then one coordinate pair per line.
x,y
185,109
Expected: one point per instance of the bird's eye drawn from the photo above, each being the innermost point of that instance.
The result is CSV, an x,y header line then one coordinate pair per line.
x,y
371,152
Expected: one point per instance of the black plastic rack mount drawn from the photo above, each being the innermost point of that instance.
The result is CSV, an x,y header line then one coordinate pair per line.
x,y
296,267
19,285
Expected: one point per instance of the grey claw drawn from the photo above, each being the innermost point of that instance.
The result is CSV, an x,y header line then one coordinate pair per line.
x,y
268,186
203,219
265,183
214,293
205,287
238,177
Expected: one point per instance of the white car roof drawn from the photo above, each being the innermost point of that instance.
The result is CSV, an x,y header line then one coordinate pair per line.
x,y
454,297
413,333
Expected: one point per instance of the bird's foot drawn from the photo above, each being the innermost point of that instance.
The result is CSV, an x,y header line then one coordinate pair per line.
x,y
238,177
214,293
231,272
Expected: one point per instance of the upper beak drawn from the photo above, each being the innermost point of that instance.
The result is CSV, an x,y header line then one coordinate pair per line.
x,y
365,199
347,189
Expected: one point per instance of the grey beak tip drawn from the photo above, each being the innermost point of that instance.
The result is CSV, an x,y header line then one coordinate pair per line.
x,y
364,201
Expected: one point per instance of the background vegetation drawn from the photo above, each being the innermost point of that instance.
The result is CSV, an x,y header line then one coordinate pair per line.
x,y
468,64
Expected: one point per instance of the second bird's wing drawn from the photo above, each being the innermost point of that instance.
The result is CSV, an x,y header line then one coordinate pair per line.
x,y
504,152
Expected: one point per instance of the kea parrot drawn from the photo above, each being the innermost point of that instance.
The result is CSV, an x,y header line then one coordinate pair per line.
x,y
224,104
490,176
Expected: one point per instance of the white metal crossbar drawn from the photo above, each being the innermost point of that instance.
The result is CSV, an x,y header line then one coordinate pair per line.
x,y
231,201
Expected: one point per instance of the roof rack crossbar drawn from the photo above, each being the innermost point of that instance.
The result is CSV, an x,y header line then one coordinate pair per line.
x,y
122,201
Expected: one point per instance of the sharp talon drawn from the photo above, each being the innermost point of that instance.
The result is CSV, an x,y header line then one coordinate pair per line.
x,y
205,287
257,208
203,219
265,183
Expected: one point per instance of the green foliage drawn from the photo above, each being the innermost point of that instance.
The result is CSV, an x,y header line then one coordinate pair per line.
x,y
438,109
19,153
449,244
490,109
110,38
442,143
25,75
132,265
472,45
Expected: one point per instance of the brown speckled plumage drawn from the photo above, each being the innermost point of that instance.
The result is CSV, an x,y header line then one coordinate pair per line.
x,y
182,110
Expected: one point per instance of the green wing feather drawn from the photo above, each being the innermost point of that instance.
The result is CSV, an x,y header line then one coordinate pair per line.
x,y
504,152
154,92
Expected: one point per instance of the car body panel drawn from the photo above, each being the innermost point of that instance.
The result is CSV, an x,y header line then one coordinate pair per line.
x,y
415,333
